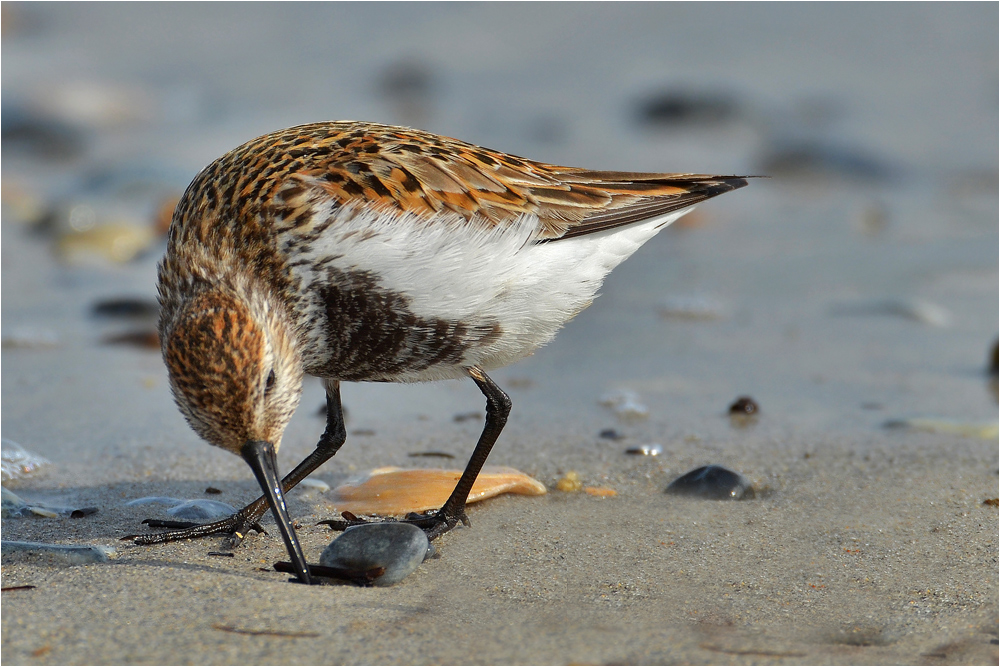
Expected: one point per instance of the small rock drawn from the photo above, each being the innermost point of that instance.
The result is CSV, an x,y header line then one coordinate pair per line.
x,y
147,339
82,512
744,405
399,548
712,482
198,509
675,108
127,307
645,450
59,554
202,510
468,416
570,482
610,434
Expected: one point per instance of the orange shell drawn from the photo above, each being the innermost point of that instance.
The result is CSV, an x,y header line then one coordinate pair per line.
x,y
395,492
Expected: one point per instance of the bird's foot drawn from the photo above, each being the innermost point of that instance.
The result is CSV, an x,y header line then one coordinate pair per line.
x,y
435,523
236,527
357,577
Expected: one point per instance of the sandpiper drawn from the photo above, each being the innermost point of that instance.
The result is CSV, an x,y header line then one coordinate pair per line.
x,y
361,252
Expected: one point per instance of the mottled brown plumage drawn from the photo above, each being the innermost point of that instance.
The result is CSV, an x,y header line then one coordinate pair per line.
x,y
358,251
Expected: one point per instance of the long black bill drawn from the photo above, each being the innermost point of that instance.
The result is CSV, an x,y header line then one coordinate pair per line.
x,y
260,456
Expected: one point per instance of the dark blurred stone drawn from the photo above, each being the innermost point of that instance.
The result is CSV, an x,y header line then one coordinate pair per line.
x,y
679,107
714,483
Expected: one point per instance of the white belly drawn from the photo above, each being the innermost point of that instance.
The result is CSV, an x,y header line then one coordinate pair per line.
x,y
449,269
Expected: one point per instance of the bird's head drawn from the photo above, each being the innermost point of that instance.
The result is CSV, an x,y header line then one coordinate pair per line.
x,y
234,367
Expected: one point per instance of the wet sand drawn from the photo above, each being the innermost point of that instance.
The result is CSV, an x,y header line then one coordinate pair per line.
x,y
819,292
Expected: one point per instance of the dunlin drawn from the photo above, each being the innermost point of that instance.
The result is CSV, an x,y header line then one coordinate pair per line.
x,y
361,252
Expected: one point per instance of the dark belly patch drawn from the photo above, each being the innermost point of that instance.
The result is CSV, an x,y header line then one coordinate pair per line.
x,y
372,334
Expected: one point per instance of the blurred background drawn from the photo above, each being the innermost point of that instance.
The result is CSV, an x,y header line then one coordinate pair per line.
x,y
855,287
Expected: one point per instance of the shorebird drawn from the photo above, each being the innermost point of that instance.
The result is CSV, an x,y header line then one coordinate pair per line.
x,y
361,252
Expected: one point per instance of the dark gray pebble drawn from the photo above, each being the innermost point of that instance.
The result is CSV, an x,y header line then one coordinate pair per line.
x,y
130,307
610,434
397,547
714,483
672,108
744,405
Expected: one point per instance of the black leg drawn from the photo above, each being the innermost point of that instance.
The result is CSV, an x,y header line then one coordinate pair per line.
x,y
497,408
238,525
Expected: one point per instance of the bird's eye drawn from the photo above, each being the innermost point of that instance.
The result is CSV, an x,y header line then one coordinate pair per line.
x,y
270,382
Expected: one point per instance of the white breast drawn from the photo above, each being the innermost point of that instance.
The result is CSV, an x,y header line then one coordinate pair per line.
x,y
448,268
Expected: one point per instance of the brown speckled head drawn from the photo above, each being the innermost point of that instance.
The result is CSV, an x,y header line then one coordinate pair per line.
x,y
233,368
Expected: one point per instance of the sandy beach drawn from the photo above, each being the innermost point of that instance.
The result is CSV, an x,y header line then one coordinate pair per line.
x,y
853,295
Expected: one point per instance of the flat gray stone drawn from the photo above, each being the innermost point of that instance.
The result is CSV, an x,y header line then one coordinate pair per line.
x,y
397,547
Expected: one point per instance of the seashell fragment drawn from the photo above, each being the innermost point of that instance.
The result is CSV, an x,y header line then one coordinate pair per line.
x,y
393,491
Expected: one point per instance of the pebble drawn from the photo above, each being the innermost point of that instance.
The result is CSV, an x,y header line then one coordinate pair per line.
x,y
744,405
676,108
645,450
625,404
198,509
570,482
126,307
16,462
399,548
314,485
712,482
59,554
145,339
610,434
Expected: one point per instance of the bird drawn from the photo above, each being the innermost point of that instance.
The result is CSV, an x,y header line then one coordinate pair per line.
x,y
361,252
